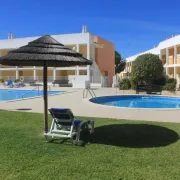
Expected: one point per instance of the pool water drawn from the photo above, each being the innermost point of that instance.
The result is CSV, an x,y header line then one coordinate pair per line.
x,y
138,101
8,94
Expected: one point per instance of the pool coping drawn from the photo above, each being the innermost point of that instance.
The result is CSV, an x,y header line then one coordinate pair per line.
x,y
61,92
87,100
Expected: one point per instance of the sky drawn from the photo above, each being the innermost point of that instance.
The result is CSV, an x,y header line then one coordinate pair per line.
x,y
132,25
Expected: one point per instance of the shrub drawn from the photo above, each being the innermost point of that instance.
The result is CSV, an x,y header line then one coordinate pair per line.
x,y
16,80
133,83
169,87
161,81
170,84
124,84
171,80
2,80
146,69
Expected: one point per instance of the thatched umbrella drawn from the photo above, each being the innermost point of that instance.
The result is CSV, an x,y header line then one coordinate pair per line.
x,y
47,52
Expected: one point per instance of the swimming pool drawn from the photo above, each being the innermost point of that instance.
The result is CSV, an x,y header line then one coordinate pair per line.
x,y
138,101
14,94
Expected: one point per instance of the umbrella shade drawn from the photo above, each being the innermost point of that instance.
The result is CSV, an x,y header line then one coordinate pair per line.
x,y
47,52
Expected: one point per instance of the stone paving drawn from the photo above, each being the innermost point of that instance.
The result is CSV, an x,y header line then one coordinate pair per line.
x,y
73,99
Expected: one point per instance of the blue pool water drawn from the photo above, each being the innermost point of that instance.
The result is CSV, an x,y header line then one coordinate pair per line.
x,y
8,94
136,101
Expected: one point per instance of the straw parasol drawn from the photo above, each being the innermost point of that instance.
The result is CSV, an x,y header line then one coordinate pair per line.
x,y
47,52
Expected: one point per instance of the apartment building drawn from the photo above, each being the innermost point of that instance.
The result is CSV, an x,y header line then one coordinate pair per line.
x,y
92,47
169,53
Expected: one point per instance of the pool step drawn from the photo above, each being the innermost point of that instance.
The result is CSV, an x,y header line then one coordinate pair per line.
x,y
145,97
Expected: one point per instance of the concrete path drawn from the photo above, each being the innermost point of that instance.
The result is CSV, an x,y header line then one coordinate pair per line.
x,y
73,99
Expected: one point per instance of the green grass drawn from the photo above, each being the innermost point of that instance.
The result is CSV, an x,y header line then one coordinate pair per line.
x,y
118,149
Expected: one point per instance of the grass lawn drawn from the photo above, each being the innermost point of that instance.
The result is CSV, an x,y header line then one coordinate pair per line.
x,y
119,149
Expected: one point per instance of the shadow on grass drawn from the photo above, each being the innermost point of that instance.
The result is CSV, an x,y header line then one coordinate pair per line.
x,y
126,135
133,135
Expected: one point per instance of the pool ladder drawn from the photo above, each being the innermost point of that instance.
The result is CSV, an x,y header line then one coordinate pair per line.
x,y
90,91
31,91
145,98
38,89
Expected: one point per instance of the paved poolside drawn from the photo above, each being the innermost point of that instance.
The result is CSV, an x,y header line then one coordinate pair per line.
x,y
73,99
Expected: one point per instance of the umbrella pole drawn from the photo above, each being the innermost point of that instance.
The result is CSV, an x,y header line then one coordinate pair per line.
x,y
45,99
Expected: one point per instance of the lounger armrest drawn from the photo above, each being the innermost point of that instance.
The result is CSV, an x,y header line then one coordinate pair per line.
x,y
86,123
83,123
79,123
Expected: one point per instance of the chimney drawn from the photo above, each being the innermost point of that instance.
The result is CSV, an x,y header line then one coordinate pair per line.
x,y
10,35
84,29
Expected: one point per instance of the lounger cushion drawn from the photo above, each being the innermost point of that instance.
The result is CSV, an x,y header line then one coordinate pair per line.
x,y
78,121
62,116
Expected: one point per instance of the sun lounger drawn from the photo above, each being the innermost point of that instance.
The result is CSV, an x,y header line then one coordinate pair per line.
x,y
149,89
21,84
62,83
9,83
64,125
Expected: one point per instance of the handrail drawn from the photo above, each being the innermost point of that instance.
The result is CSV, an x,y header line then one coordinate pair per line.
x,y
48,87
91,92
31,91
38,88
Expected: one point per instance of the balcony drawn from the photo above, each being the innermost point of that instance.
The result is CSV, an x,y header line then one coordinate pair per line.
x,y
171,60
178,59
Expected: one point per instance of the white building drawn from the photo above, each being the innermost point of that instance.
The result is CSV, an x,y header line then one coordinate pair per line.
x,y
169,53
94,48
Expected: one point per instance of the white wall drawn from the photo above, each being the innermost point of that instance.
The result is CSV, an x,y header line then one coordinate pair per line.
x,y
162,45
78,78
66,39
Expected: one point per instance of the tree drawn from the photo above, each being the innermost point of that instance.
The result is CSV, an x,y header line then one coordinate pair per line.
x,y
124,84
119,63
146,69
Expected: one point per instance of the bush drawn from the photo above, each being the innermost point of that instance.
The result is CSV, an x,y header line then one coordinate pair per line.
x,y
124,84
171,80
169,87
2,80
146,69
161,81
16,80
133,83
170,84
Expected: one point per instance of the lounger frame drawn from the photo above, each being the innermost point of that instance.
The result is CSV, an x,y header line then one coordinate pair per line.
x,y
71,131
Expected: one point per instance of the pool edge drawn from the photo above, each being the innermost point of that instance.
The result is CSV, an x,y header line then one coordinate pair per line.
x,y
87,100
61,92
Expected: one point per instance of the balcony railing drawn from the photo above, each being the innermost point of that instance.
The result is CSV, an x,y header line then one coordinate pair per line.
x,y
93,79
